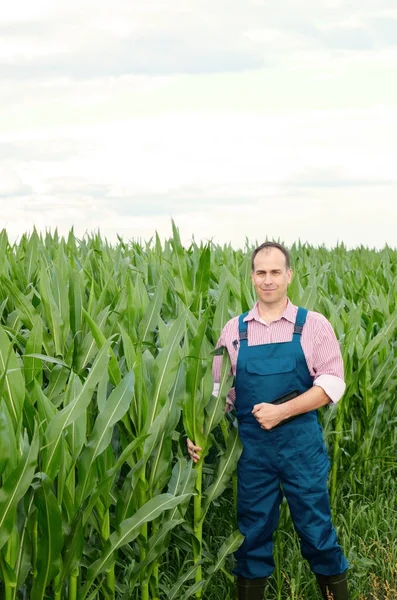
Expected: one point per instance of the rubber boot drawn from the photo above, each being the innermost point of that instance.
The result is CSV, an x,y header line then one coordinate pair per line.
x,y
250,589
333,587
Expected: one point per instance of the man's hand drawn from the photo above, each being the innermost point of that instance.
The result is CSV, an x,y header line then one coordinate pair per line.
x,y
268,415
192,449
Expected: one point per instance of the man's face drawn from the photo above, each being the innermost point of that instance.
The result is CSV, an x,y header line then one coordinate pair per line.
x,y
271,276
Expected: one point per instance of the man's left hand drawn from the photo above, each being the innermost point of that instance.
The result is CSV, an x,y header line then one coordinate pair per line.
x,y
268,415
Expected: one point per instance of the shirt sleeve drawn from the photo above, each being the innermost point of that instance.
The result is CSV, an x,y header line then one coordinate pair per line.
x,y
328,363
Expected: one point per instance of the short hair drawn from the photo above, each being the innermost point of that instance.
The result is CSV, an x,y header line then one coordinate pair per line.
x,y
266,245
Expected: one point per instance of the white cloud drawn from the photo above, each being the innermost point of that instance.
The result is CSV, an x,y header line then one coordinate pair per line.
x,y
83,42
246,118
11,184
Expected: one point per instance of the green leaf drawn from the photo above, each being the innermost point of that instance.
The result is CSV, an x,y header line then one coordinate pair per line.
x,y
87,348
215,409
192,591
52,312
4,442
175,591
76,433
384,334
4,245
45,408
309,296
156,431
12,381
7,573
100,339
193,406
167,363
75,301
115,408
128,347
108,479
71,412
182,482
202,279
16,485
221,315
158,543
51,538
25,308
32,364
127,531
149,321
9,458
24,554
72,551
230,545
161,457
225,468
182,283
49,359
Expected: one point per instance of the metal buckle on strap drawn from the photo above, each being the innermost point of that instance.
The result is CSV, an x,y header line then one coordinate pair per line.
x,y
298,329
243,335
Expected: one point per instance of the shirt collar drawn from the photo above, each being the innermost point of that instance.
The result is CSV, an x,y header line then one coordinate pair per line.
x,y
289,313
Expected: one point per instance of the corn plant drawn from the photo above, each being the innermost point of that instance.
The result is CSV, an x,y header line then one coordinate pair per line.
x,y
105,368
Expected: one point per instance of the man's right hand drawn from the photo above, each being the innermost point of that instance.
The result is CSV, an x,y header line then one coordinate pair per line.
x,y
192,449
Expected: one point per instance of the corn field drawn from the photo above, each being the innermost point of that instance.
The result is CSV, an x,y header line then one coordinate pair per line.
x,y
105,368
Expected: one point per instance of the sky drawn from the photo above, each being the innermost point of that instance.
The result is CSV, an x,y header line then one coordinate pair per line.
x,y
237,118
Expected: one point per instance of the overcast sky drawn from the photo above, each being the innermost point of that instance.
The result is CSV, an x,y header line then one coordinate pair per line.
x,y
238,118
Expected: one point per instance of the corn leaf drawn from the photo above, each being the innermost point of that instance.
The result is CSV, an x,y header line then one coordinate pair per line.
x,y
16,485
51,538
115,408
226,466
61,421
127,531
230,545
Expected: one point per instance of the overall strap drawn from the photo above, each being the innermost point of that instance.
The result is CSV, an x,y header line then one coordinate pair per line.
x,y
299,323
243,328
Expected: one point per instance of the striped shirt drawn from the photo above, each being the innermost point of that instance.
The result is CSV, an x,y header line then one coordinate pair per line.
x,y
319,345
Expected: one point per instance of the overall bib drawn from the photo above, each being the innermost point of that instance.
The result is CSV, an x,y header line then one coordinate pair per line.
x,y
293,455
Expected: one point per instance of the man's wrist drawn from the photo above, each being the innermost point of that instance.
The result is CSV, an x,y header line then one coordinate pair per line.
x,y
287,409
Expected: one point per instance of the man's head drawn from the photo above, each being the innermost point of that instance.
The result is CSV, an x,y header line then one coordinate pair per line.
x,y
268,246
271,273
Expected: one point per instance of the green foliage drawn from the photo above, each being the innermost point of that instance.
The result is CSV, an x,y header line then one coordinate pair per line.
x,y
105,365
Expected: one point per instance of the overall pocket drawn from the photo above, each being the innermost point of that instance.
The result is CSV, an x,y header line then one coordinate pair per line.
x,y
270,378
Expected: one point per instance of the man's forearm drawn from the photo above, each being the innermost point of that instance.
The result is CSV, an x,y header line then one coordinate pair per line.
x,y
310,400
270,415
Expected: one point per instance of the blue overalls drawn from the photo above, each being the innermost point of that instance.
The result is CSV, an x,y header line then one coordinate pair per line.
x,y
293,454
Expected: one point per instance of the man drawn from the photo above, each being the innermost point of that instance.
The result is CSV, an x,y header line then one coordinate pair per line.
x,y
278,350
